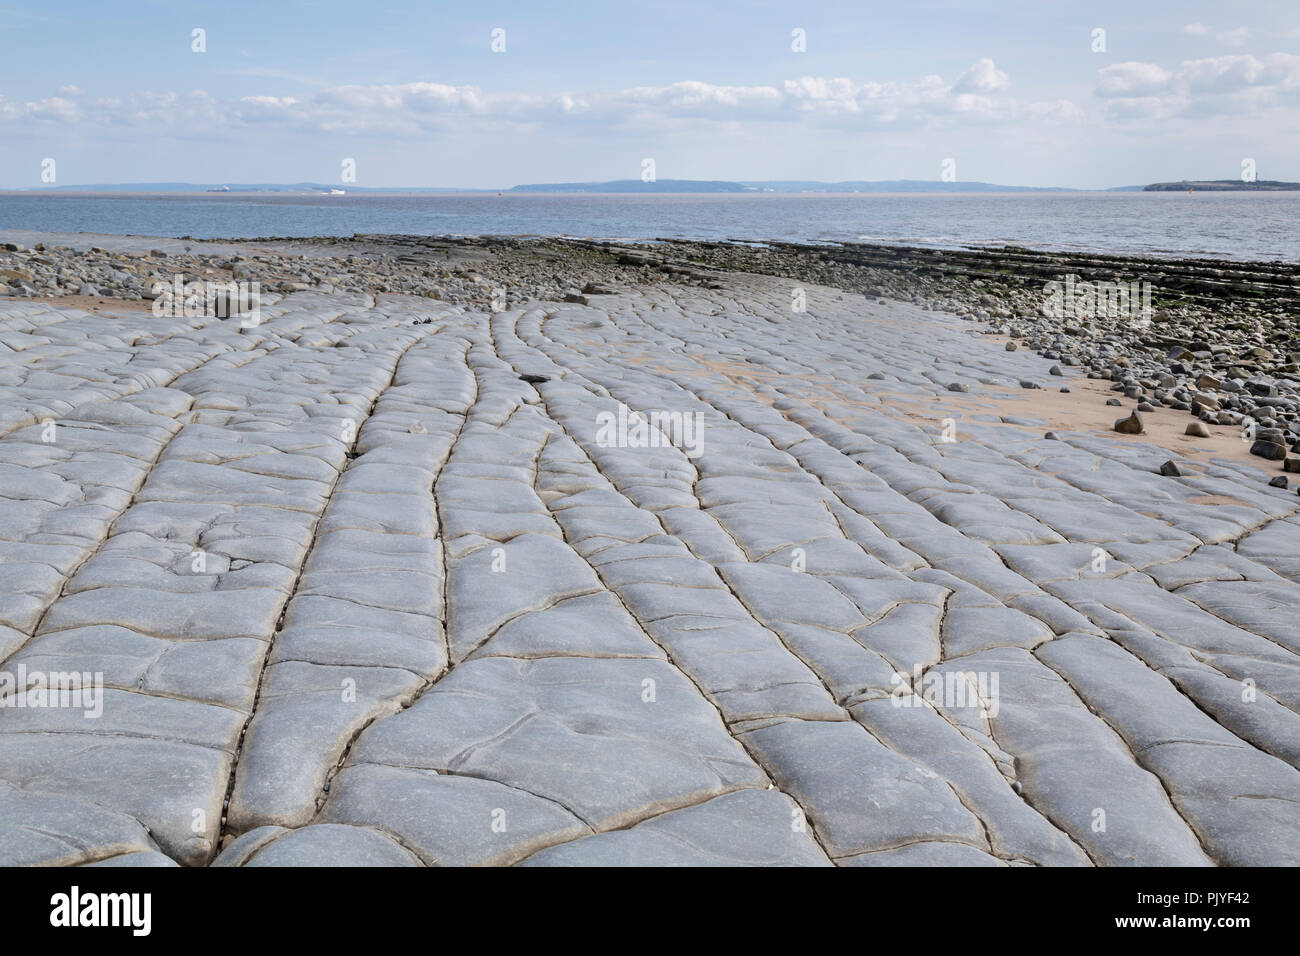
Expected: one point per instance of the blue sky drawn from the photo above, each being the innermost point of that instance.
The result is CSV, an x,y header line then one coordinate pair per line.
x,y
1011,91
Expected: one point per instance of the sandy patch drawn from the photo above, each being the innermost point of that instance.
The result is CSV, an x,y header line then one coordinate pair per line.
x,y
92,303
1084,409
1217,500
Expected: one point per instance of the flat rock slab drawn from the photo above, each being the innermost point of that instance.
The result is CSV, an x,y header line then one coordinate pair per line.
x,y
669,577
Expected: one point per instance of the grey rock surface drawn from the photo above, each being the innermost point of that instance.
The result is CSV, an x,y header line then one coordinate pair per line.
x,y
661,575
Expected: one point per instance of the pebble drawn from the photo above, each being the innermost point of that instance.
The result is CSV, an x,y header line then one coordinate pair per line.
x,y
1269,450
1129,426
506,272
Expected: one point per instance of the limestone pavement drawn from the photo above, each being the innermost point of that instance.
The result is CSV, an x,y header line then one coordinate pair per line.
x,y
371,584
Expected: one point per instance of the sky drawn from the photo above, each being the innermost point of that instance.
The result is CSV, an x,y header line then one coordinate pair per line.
x,y
490,94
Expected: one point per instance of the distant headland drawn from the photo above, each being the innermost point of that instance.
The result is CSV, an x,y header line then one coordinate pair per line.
x,y
1222,185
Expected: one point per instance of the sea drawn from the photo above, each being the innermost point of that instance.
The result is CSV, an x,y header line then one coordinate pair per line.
x,y
1222,225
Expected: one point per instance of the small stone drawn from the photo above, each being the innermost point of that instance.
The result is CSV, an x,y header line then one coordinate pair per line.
x,y
1129,426
1146,407
1051,436
958,387
1292,465
1025,383
1055,370
1169,469
534,379
1114,401
1065,388
1011,346
1268,449
1197,430
1279,482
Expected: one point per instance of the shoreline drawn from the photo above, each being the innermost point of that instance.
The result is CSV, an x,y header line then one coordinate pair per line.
x,y
975,249
979,230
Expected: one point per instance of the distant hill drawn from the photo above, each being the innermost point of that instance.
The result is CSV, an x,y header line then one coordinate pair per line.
x,y
895,186
1222,185
635,186
777,186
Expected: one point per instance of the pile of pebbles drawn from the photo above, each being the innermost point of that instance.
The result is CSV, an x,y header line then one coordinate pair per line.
x,y
1222,341
476,273
1238,377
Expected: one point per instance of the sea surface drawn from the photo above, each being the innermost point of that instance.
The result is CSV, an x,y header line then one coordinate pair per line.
x,y
1213,225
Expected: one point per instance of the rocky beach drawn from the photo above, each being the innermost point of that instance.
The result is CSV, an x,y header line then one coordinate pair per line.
x,y
568,552
1220,340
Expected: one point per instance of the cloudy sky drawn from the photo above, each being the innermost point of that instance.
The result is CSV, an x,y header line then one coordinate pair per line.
x,y
1017,91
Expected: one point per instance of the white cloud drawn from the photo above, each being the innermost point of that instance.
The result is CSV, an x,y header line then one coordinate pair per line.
x,y
420,108
1145,108
1132,79
1206,87
1226,74
1236,36
983,77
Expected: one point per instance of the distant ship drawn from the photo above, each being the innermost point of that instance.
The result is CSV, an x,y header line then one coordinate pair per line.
x,y
335,192
220,189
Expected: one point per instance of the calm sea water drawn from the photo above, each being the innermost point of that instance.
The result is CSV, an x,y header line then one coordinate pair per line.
x,y
1220,225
